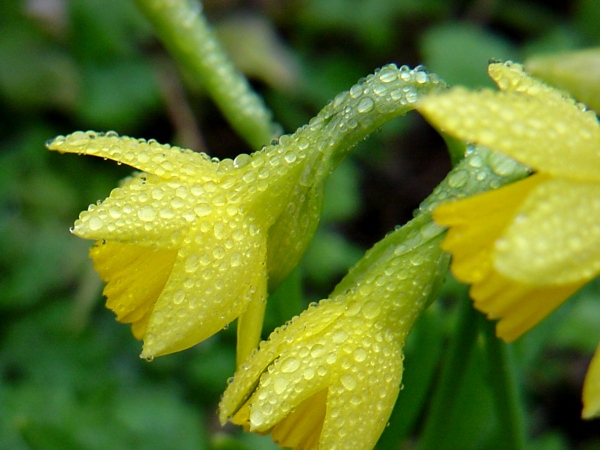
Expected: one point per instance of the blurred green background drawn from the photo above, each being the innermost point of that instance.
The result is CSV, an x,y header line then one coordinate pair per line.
x,y
70,377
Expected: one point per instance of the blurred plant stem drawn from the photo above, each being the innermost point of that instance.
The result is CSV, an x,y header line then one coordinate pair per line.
x,y
501,374
501,379
183,29
437,423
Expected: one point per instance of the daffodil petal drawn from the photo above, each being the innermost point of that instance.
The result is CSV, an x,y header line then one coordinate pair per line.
x,y
476,222
302,427
299,373
511,77
591,388
556,237
144,211
301,328
555,138
361,400
166,161
518,307
135,277
211,283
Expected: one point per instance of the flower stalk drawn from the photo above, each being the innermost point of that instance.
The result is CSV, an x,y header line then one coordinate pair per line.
x,y
185,32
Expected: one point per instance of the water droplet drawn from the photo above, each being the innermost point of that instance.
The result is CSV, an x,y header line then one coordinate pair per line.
x,y
360,354
365,105
280,384
387,75
317,351
147,214
370,310
95,223
348,381
219,230
203,209
166,213
340,336
290,157
114,212
178,297
356,91
309,373
218,252
241,160
256,417
458,179
192,263
236,259
290,365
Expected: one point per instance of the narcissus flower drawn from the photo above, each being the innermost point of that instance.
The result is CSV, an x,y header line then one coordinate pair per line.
x,y
183,245
191,243
525,248
330,377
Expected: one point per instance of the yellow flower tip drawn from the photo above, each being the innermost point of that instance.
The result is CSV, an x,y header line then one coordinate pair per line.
x,y
477,225
183,244
329,376
591,389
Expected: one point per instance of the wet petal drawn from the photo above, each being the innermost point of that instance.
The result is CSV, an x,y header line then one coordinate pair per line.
x,y
476,222
555,238
211,283
304,327
591,389
555,138
511,77
135,277
302,428
519,307
361,400
167,162
144,211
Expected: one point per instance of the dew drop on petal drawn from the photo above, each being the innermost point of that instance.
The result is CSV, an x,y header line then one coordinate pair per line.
x,y
290,365
280,384
147,214
95,223
348,381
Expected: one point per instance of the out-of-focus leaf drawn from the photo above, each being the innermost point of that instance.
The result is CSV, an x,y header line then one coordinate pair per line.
x,y
460,53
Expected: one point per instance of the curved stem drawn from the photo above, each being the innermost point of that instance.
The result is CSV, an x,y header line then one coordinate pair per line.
x,y
501,373
437,424
183,29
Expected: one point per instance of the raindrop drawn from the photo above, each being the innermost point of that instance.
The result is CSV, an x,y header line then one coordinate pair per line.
x,y
365,105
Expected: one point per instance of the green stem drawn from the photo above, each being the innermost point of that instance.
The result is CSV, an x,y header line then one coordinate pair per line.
x,y
184,31
437,423
501,373
249,324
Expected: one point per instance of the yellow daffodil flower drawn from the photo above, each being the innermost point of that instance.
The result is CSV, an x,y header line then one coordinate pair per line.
x,y
184,242
192,243
525,248
330,377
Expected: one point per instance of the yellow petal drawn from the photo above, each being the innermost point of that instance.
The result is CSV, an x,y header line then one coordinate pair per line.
x,y
143,211
556,237
135,277
213,279
511,77
591,389
476,222
361,399
300,329
575,71
167,162
556,138
518,306
302,427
